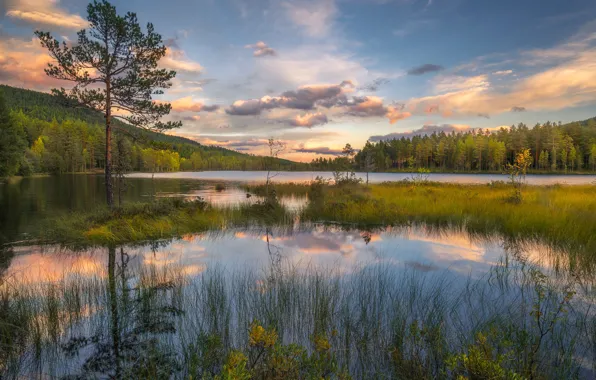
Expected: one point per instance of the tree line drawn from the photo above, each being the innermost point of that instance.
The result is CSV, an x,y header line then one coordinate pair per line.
x,y
69,146
554,147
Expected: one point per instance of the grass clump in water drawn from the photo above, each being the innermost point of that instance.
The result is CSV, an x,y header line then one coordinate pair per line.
x,y
166,218
564,216
135,222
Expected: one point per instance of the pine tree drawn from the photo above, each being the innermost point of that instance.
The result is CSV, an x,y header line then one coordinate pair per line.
x,y
12,142
116,55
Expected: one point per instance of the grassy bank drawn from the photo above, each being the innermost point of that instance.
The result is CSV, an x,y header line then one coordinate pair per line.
x,y
165,218
563,216
376,322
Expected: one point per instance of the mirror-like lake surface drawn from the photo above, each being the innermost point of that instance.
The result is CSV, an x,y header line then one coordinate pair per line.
x,y
100,306
259,176
90,303
418,248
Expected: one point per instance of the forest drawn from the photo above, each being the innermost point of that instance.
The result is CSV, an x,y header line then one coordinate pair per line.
x,y
52,138
554,147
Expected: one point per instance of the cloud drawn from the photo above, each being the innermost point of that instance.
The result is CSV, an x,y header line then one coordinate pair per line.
x,y
176,59
187,104
394,114
192,118
373,106
188,86
315,17
425,69
22,64
304,98
44,12
562,76
425,130
319,150
261,49
374,85
366,106
518,109
251,107
451,83
309,120
318,97
310,63
245,143
570,83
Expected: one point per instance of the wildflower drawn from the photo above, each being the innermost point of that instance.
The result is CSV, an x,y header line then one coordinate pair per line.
x,y
258,336
321,343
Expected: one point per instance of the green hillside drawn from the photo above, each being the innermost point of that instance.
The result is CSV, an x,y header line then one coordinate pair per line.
x,y
76,135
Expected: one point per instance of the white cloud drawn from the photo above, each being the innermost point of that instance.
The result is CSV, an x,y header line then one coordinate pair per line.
x,y
311,64
261,49
46,12
176,59
564,76
503,72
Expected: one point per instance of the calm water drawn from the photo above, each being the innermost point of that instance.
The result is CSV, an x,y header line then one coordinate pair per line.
x,y
226,279
417,248
259,176
238,267
24,203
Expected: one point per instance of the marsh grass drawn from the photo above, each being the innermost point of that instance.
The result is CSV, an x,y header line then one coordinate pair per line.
x,y
377,321
560,216
166,218
285,188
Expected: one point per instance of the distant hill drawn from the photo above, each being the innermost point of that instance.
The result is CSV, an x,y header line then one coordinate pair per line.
x,y
46,107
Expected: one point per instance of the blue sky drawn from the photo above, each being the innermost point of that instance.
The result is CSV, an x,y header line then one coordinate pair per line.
x,y
318,74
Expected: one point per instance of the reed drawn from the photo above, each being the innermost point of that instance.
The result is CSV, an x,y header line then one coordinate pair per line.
x,y
377,321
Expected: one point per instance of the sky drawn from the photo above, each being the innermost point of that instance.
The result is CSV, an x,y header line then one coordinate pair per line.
x,y
319,74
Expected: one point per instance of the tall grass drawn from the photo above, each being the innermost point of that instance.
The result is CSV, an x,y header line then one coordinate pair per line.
x,y
167,218
377,321
562,216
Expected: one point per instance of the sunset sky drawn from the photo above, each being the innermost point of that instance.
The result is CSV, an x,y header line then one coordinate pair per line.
x,y
318,74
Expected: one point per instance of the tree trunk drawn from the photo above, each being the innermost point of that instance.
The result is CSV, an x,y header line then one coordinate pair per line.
x,y
108,170
114,321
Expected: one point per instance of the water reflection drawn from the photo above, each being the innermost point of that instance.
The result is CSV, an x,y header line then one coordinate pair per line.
x,y
25,204
260,176
120,311
419,248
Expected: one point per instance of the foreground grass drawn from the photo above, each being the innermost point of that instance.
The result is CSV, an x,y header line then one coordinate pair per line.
x,y
289,323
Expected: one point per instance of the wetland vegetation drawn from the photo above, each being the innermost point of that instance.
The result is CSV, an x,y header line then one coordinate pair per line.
x,y
125,277
162,318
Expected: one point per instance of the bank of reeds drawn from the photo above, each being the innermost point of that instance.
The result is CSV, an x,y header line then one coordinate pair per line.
x,y
166,218
379,321
562,216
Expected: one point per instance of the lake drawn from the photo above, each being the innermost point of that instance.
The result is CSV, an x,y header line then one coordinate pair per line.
x,y
365,285
297,278
260,176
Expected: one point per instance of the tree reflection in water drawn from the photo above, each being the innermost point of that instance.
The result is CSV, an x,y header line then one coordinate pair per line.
x,y
139,315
